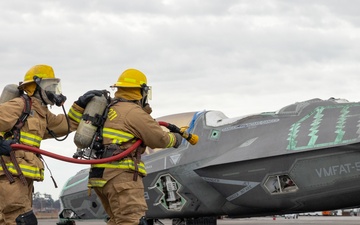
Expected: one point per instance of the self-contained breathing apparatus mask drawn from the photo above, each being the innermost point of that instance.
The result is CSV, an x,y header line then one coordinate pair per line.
x,y
146,94
50,91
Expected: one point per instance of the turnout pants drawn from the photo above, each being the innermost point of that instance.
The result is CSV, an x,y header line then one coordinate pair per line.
x,y
15,199
123,199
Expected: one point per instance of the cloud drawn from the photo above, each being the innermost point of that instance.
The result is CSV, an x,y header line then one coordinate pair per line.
x,y
239,57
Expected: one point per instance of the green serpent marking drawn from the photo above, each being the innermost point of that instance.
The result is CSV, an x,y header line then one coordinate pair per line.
x,y
315,125
341,124
318,115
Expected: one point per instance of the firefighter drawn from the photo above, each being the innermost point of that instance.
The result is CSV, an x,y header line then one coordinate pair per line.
x,y
119,184
19,169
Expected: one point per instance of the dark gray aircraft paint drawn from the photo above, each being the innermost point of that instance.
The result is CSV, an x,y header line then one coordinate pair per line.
x,y
303,157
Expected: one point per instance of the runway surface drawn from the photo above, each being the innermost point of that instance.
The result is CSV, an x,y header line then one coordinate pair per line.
x,y
302,220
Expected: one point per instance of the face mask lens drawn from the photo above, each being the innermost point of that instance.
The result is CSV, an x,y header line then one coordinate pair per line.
x,y
149,92
51,85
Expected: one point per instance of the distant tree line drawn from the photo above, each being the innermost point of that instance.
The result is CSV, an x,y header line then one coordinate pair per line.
x,y
45,203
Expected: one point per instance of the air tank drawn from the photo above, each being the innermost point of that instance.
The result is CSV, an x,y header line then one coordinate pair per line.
x,y
9,92
86,129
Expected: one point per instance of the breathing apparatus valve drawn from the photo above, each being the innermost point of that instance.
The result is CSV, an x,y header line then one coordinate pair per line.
x,y
86,153
57,99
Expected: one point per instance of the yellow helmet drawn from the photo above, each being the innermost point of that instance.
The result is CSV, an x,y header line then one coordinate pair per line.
x,y
131,78
41,71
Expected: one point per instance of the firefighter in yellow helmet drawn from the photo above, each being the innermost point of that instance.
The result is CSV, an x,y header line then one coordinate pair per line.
x,y
119,184
20,168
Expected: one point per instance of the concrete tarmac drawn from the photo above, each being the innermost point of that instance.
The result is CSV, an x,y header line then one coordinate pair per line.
x,y
302,220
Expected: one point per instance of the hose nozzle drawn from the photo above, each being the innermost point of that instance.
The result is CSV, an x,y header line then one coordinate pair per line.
x,y
191,138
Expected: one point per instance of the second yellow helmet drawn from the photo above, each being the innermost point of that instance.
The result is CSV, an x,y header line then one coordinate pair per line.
x,y
131,78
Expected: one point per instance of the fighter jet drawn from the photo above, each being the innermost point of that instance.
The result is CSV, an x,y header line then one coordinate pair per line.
x,y
303,157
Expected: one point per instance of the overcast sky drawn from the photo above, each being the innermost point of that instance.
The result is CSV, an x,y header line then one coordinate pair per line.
x,y
238,57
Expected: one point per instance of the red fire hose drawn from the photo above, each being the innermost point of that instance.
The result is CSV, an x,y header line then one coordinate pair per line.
x,y
171,127
78,161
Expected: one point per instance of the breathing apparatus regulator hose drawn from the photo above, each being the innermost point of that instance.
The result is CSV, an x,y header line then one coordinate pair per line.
x,y
192,137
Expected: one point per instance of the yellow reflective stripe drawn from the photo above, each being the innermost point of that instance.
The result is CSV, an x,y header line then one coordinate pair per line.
x,y
123,164
28,171
30,139
74,115
172,140
93,182
118,136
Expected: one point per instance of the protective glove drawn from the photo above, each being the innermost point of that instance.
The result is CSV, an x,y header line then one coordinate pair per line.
x,y
5,147
183,129
178,140
86,98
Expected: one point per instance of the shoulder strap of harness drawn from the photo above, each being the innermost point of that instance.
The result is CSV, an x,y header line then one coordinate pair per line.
x,y
21,121
15,132
105,114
